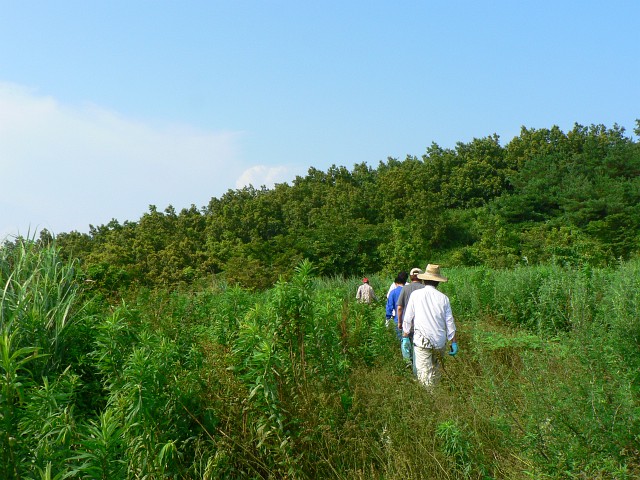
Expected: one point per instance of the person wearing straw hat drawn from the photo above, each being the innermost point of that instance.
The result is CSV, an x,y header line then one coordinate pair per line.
x,y
428,314
365,293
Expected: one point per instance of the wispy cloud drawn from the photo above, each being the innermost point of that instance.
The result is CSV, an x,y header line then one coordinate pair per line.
x,y
260,175
64,167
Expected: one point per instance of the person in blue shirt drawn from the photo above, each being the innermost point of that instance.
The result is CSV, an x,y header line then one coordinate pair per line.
x,y
392,302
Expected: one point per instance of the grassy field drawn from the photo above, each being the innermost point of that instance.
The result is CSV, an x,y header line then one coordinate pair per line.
x,y
300,381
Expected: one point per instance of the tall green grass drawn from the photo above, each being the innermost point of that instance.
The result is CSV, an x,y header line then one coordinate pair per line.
x,y
301,381
37,314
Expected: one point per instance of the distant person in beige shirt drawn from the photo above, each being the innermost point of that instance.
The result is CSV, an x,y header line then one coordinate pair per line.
x,y
365,292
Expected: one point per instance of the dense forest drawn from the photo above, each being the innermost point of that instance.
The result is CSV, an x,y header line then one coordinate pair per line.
x,y
571,198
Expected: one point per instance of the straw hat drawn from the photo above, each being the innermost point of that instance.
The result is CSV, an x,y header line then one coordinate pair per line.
x,y
432,272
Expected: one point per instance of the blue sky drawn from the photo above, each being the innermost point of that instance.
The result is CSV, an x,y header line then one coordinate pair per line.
x,y
107,107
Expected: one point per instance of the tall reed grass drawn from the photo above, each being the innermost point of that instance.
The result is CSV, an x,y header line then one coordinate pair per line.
x,y
37,314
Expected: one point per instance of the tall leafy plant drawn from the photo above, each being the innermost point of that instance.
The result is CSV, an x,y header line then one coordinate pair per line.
x,y
14,379
38,310
39,299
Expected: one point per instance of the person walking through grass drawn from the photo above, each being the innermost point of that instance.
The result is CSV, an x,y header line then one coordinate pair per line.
x,y
365,293
403,299
392,302
429,315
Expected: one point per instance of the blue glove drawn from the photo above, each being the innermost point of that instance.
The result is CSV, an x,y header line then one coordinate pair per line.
x,y
406,348
454,348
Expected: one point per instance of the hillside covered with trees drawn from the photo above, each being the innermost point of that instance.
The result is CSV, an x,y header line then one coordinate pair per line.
x,y
546,196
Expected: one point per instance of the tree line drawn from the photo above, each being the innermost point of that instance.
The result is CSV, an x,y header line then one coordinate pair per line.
x,y
546,196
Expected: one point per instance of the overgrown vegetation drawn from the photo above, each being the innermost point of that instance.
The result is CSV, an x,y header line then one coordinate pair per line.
x,y
300,381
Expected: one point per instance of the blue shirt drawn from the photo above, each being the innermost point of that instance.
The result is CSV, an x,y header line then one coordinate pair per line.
x,y
392,301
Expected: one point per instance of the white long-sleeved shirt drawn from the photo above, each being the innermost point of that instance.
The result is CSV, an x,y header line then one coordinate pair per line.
x,y
429,313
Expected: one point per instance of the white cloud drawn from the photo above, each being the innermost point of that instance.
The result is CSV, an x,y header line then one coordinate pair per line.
x,y
64,167
260,175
